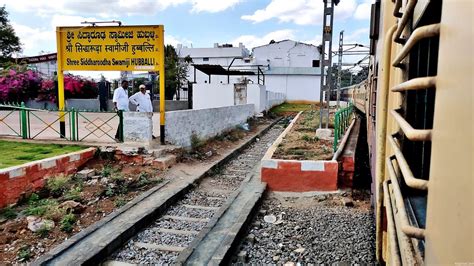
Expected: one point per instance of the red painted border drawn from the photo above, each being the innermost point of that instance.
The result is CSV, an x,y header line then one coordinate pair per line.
x,y
16,182
289,177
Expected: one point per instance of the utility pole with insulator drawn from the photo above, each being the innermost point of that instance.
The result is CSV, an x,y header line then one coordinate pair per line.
x,y
339,70
326,58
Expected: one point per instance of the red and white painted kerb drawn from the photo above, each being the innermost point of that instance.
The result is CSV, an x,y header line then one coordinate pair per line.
x,y
297,176
21,180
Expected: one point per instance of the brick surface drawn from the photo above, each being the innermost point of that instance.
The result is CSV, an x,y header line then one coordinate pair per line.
x,y
21,180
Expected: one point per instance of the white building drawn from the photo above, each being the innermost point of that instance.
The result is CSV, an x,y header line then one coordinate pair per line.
x,y
218,89
222,55
292,69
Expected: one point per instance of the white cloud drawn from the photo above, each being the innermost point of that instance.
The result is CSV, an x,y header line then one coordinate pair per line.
x,y
363,11
113,8
32,38
169,39
251,41
67,20
301,12
315,41
213,6
356,35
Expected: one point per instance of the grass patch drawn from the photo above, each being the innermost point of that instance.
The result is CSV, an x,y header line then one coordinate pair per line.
x,y
57,185
73,194
119,202
67,223
291,107
24,254
16,153
8,213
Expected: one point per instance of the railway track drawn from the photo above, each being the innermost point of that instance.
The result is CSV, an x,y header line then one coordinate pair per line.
x,y
174,232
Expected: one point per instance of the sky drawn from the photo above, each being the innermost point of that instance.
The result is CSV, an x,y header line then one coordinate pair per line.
x,y
194,23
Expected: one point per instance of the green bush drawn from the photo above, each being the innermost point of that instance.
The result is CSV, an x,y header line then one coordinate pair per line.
x,y
119,202
67,223
8,213
43,207
24,253
196,142
43,232
73,194
106,171
109,192
57,185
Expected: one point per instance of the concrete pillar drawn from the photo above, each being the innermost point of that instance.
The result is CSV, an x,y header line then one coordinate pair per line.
x,y
138,127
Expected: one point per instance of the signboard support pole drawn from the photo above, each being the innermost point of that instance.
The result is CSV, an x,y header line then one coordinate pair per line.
x,y
162,95
61,102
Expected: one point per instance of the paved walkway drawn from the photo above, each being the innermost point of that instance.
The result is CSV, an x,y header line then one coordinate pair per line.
x,y
44,125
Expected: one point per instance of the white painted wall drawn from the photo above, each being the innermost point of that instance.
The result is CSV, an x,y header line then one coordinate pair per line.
x,y
256,94
290,69
274,98
286,53
295,87
204,123
212,95
219,95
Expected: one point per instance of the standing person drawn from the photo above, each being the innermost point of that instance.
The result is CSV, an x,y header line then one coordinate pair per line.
x,y
142,100
120,101
103,93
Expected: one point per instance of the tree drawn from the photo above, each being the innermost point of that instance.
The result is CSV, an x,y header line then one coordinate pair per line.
x,y
9,42
175,70
348,77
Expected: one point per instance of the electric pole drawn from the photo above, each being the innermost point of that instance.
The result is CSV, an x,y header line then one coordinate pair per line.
x,y
326,58
339,70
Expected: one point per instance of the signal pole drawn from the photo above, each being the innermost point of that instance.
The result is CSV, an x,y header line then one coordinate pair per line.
x,y
339,70
326,58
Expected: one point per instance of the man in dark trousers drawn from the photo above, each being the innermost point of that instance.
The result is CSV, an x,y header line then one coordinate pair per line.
x,y
103,94
120,100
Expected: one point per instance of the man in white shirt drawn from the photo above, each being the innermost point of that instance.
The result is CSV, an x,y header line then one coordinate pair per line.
x,y
120,101
142,100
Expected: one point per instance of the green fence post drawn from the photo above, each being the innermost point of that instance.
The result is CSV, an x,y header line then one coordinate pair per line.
x,y
24,123
120,114
72,124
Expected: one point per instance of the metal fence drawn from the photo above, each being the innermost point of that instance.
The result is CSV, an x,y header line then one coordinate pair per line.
x,y
342,120
80,125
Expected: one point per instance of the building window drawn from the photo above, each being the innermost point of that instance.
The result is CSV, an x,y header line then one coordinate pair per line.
x,y
315,63
205,59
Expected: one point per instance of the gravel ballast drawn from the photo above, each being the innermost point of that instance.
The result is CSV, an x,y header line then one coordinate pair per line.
x,y
213,191
316,229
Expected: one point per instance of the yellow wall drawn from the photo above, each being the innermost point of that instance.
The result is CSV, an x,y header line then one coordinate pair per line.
x,y
450,213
